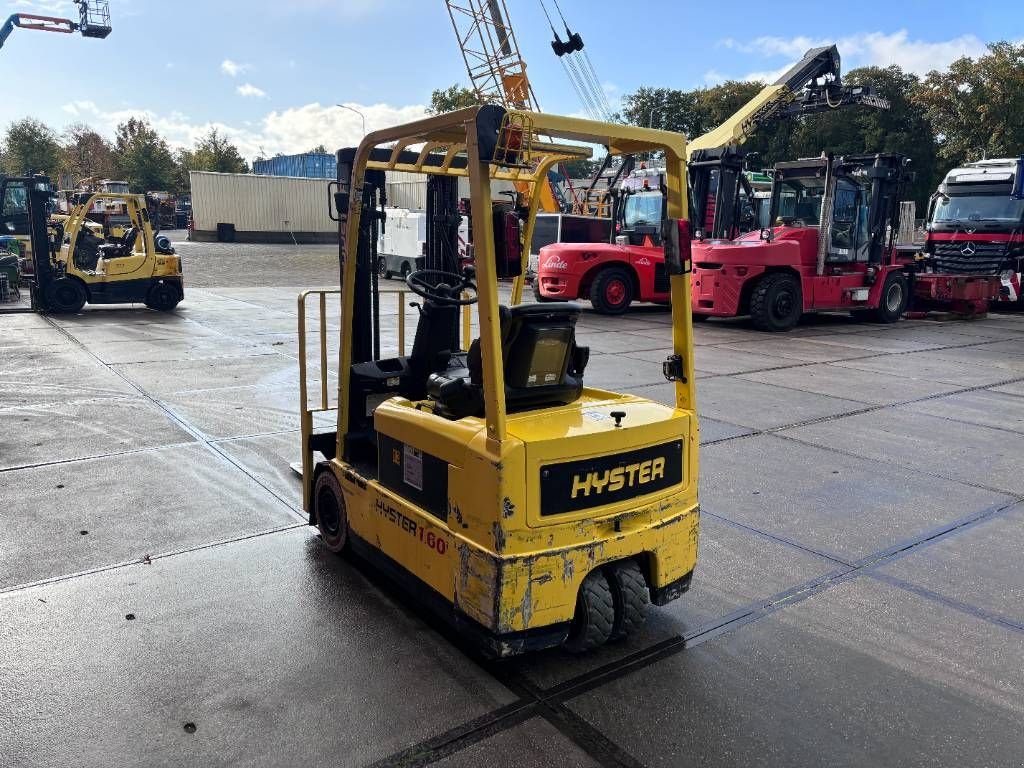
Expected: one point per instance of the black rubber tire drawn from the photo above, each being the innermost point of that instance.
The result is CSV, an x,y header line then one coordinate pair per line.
x,y
382,267
699,318
163,297
776,302
630,595
406,270
65,295
893,302
595,615
330,512
611,293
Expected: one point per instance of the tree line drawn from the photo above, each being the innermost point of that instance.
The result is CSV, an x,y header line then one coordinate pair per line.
x,y
972,109
138,154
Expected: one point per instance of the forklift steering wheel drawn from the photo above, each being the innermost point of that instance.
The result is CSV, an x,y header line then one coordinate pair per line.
x,y
442,287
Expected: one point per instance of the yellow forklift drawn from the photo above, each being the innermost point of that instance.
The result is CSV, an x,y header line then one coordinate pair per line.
x,y
73,266
525,507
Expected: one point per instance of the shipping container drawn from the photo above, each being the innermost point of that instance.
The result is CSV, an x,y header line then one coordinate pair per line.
x,y
274,209
310,165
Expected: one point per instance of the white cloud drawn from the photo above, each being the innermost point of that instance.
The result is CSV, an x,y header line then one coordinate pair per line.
x,y
288,131
232,68
866,49
250,90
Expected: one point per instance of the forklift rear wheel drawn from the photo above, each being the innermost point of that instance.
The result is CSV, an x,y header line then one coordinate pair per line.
x,y
595,615
163,297
611,293
699,318
537,296
65,295
631,597
893,302
382,268
776,303
406,269
331,515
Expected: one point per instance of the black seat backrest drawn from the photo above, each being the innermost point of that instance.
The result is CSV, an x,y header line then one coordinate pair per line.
x,y
542,364
128,239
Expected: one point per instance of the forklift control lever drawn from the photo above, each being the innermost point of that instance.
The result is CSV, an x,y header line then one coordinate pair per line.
x,y
618,416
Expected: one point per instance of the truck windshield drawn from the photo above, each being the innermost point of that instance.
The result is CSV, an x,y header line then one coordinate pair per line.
x,y
642,208
800,199
978,208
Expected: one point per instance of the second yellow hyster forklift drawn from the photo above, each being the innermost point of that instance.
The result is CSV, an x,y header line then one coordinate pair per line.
x,y
527,508
73,266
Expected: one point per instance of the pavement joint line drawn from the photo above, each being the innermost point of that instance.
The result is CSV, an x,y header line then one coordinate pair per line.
x,y
899,465
146,559
193,430
756,610
956,605
835,558
99,456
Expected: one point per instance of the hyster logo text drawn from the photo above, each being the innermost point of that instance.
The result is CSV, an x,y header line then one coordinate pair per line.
x,y
616,479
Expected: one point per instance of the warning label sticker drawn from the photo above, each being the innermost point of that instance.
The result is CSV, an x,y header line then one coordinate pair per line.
x,y
412,467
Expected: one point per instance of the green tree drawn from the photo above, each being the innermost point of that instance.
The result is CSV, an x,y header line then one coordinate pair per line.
x,y
451,98
319,149
143,157
213,152
977,105
31,146
86,154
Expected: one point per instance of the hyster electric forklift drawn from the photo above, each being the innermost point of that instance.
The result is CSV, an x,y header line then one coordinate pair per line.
x,y
73,266
527,508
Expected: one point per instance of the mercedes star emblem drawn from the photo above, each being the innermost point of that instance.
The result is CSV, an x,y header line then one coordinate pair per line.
x,y
968,249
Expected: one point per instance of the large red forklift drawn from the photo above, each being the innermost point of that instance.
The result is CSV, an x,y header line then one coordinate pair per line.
x,y
832,247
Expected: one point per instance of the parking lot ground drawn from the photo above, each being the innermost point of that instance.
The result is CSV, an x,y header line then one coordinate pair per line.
x,y
857,599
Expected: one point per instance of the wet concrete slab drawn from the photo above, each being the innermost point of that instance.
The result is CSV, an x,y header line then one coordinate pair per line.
x,y
57,432
737,569
83,382
764,406
34,336
269,459
828,501
162,378
931,367
238,411
979,568
862,674
712,430
806,350
28,360
267,651
1013,388
199,348
983,406
966,452
850,384
130,506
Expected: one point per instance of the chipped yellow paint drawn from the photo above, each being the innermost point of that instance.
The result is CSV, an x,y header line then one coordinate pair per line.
x,y
496,559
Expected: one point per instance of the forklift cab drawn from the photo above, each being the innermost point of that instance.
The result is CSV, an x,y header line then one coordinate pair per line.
x,y
480,471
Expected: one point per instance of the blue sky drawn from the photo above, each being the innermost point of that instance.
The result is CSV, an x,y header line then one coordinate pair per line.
x,y
269,73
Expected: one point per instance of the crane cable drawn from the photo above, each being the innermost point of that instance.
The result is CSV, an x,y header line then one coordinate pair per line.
x,y
581,73
592,78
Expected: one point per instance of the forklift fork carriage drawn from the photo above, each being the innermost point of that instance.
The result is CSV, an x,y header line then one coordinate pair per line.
x,y
483,475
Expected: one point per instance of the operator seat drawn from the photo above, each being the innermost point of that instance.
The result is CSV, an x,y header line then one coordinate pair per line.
x,y
125,247
542,364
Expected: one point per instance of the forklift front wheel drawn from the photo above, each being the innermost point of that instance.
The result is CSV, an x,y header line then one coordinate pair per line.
x,y
893,301
595,615
65,295
331,515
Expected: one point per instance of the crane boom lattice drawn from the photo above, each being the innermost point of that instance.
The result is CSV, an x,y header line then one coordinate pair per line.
x,y
488,43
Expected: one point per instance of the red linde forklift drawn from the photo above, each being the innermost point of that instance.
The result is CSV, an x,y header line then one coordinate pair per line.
x,y
613,275
832,247
975,236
